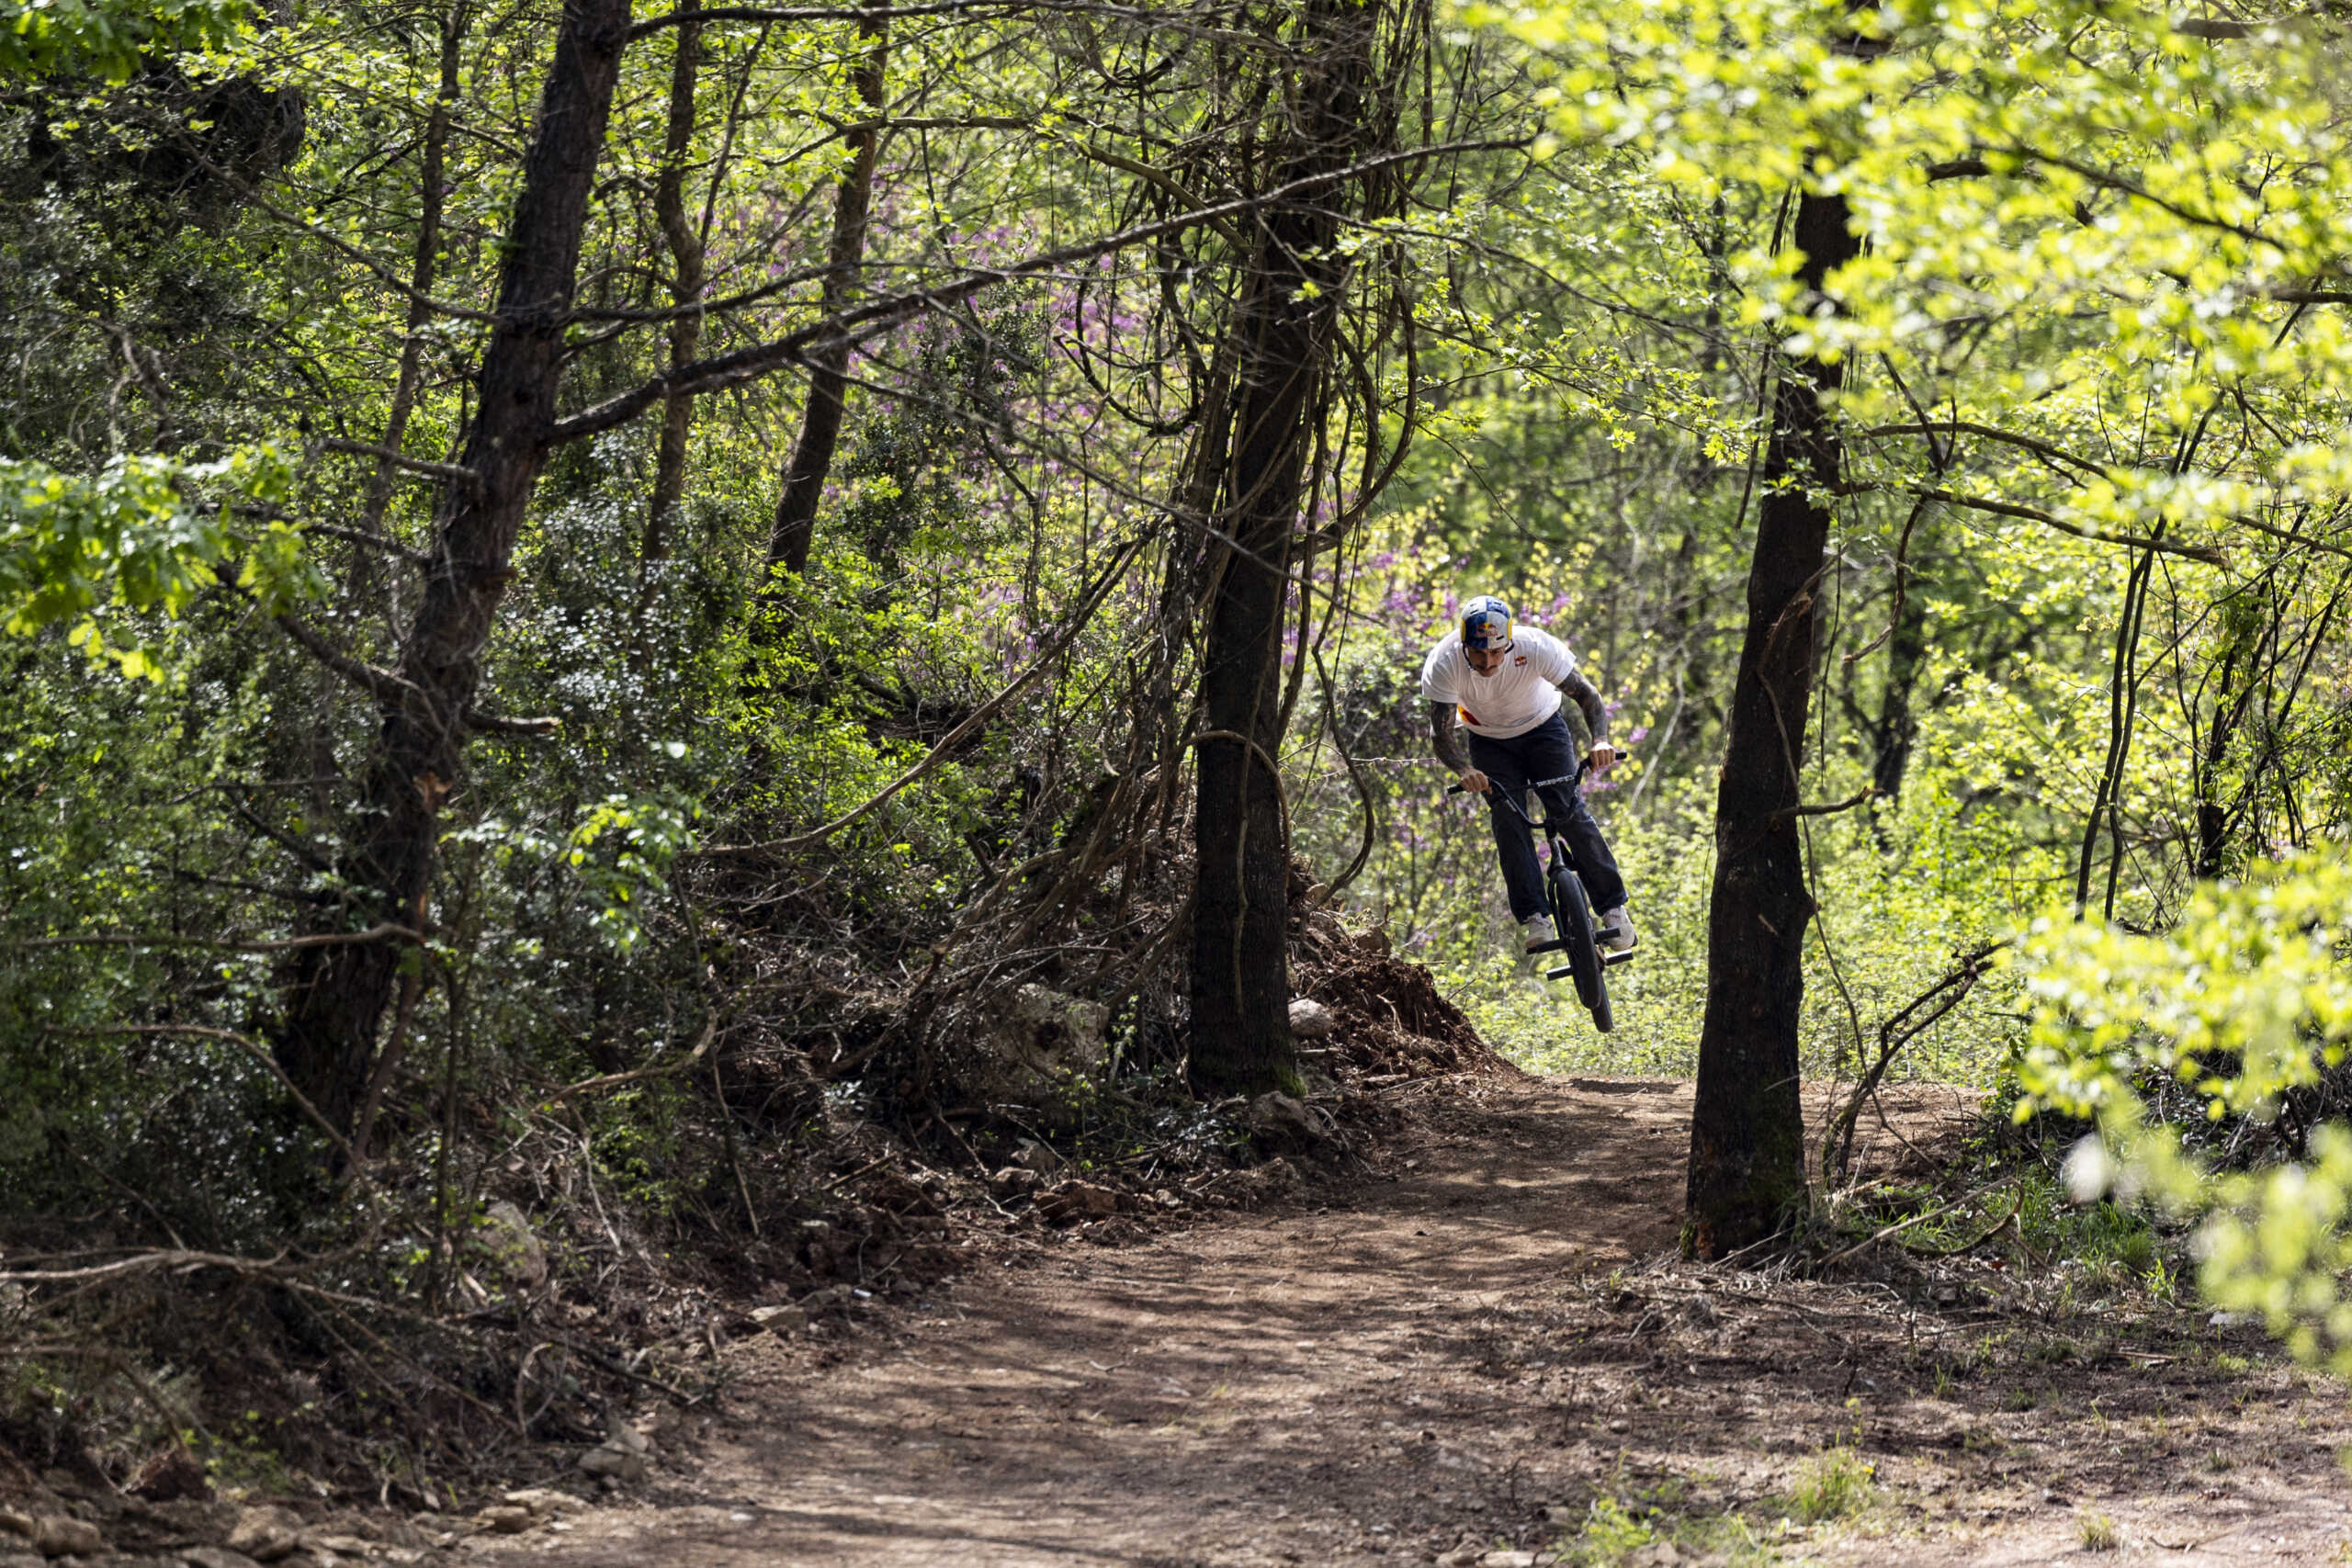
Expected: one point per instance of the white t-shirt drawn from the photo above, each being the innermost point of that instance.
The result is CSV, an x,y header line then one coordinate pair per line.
x,y
1514,699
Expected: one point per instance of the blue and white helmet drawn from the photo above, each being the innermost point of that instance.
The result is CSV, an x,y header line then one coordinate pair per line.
x,y
1486,623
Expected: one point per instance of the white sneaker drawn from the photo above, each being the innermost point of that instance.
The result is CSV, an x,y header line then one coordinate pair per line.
x,y
1617,930
1537,929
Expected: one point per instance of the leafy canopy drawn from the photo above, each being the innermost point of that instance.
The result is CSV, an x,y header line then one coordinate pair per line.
x,y
97,553
106,38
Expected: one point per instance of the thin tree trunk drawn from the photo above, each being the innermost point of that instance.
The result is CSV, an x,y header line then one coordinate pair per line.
x,y
2230,699
423,271
1240,980
336,994
1897,725
1748,1177
820,420
686,274
2121,704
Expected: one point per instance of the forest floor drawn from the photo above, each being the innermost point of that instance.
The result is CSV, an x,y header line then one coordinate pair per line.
x,y
1486,1352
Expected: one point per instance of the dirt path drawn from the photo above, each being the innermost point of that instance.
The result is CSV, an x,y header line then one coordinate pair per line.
x,y
1462,1359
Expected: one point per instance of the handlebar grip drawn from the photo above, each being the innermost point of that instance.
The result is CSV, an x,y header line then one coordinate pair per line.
x,y
1456,789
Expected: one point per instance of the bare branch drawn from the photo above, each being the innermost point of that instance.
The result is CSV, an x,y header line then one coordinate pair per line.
x,y
702,307
449,472
371,541
385,931
493,724
1790,812
870,321
177,1259
1046,660
615,1080
373,679
1991,432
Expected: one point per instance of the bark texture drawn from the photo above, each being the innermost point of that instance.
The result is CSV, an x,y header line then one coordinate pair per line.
x,y
794,530
1896,728
1748,1176
1240,981
336,994
683,238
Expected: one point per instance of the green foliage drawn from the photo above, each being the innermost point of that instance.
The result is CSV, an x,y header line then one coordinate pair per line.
x,y
103,555
2105,328
2244,1002
2245,999
1611,1532
1618,1532
108,38
623,851
1832,1484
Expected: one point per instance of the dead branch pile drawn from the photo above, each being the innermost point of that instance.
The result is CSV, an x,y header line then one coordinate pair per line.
x,y
1392,1022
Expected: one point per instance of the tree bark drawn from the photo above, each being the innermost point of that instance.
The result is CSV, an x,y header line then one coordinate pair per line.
x,y
336,994
1748,1177
1240,980
820,420
1897,725
685,240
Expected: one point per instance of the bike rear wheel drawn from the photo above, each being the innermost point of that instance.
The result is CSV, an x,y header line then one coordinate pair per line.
x,y
1572,913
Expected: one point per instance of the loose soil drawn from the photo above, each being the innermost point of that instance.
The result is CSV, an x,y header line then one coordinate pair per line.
x,y
1462,1356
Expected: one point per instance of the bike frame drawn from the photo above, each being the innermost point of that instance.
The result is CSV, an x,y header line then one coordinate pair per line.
x,y
1572,908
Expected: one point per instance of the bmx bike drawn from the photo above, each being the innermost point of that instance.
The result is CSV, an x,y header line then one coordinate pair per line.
x,y
1571,909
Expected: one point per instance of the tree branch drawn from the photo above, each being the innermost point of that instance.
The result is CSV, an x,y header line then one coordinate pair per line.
x,y
371,541
2204,553
259,1054
701,307
383,932
1991,432
449,472
2132,189
773,14
373,679
1046,656
493,724
1791,813
853,327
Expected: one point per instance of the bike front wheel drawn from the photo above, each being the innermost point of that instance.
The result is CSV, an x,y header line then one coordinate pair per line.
x,y
1573,913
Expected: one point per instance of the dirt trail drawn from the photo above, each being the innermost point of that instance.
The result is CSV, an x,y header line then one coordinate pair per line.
x,y
1434,1365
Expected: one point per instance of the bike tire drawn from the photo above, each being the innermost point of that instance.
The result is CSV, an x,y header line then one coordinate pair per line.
x,y
1573,916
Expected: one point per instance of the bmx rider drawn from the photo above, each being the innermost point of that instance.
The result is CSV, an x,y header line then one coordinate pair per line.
x,y
1505,682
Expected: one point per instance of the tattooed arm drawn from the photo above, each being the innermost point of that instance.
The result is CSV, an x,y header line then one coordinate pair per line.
x,y
1581,689
1449,752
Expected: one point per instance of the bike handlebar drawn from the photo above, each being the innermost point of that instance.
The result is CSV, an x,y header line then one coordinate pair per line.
x,y
1519,810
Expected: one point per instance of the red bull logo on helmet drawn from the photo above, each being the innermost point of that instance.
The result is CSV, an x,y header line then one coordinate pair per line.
x,y
1486,623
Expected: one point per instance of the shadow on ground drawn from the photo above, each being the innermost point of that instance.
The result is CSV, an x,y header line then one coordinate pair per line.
x,y
1464,1355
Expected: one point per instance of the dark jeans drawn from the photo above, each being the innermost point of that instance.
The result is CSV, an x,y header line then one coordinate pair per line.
x,y
1546,756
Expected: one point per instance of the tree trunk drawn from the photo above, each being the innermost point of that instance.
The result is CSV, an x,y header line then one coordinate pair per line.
x,y
821,421
685,240
1897,725
336,994
1240,979
1748,1176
